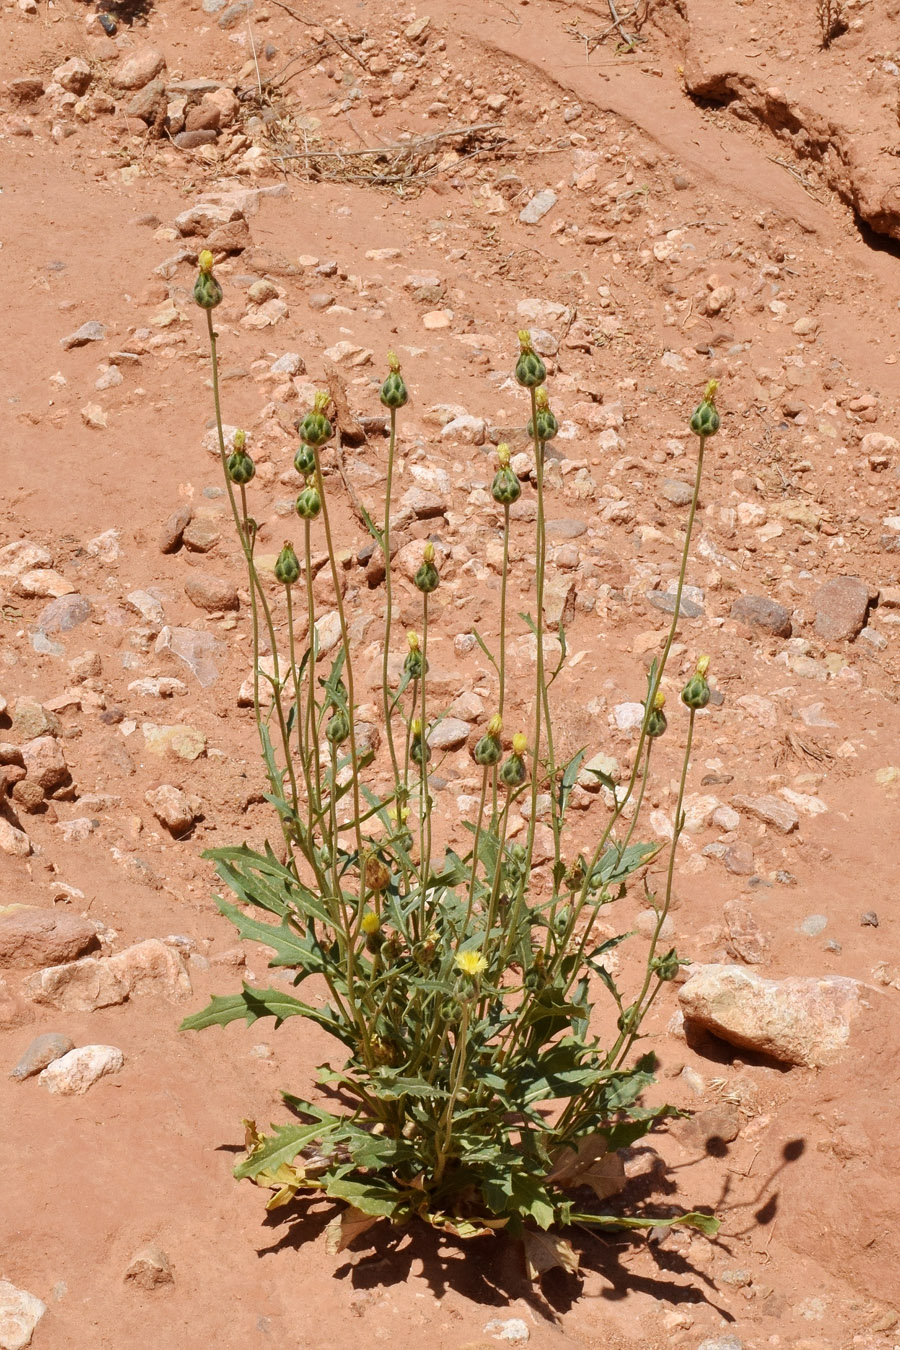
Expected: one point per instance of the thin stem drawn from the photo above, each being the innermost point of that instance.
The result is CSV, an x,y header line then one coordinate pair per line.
x,y
503,584
348,664
388,597
473,870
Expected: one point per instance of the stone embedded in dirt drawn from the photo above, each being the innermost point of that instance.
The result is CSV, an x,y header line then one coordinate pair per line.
x,y
841,607
771,810
194,648
162,686
204,217
665,600
738,859
74,1073
27,795
796,1020
709,1129
150,967
509,1330
226,104
45,763
147,605
465,429
138,68
42,1051
744,933
42,583
38,937
149,1269
758,611
21,556
31,719
450,734
211,593
537,208
424,505
26,89
64,614
20,1313
350,354
74,75
328,632
149,105
201,534
183,741
415,32
726,1342
13,842
172,808
171,534
92,331
676,491
192,140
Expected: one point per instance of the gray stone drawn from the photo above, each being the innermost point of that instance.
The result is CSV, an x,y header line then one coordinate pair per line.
x,y
92,331
567,528
31,719
202,534
665,600
192,140
841,607
738,859
537,208
74,75
289,364
74,1073
629,716
797,1020
772,810
424,505
813,925
588,775
758,611
149,103
20,1313
234,13
64,614
677,492
42,1051
727,1342
194,648
450,734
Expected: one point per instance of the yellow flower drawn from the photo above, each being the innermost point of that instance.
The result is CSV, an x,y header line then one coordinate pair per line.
x,y
471,963
205,261
370,923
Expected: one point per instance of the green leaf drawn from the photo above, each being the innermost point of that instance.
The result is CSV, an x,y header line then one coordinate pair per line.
x,y
568,780
618,863
371,1197
250,1005
483,645
706,1223
284,1145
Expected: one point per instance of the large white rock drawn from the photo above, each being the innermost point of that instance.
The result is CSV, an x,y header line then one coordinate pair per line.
x,y
20,1313
798,1020
149,967
74,1073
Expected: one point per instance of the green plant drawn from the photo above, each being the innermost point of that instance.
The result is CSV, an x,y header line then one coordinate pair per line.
x,y
460,987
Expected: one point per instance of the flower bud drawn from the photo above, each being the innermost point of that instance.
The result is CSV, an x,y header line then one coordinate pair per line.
x,y
305,460
695,693
705,421
488,749
414,666
505,488
287,568
547,425
530,369
308,504
419,750
377,875
240,467
426,579
513,773
393,392
666,967
239,440
338,728
207,291
656,722
315,427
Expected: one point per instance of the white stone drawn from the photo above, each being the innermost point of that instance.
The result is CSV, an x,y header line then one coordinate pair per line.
x,y
74,1073
20,1313
628,716
467,430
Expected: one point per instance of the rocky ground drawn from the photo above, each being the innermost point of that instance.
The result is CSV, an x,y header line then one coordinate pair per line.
x,y
716,198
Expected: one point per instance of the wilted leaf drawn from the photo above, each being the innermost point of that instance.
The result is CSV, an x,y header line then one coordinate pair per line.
x,y
545,1251
589,1165
346,1228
